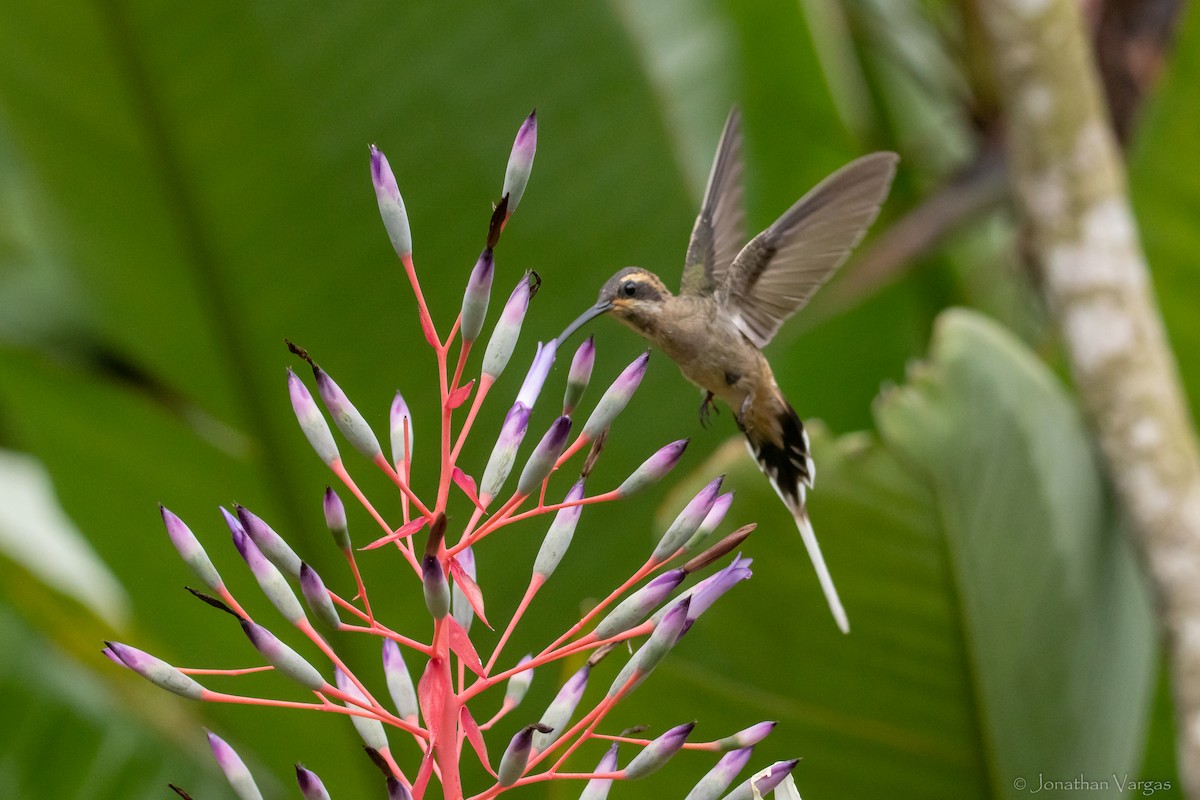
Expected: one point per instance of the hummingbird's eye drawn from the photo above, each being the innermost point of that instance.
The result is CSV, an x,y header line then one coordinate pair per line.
x,y
629,288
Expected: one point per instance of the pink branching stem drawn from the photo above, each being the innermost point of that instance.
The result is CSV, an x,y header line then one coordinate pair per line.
x,y
505,707
426,321
401,483
504,516
397,773
231,602
307,629
535,583
580,442
243,671
647,568
463,352
376,712
445,745
358,582
406,468
591,642
592,720
423,774
387,633
496,522
709,746
210,696
481,391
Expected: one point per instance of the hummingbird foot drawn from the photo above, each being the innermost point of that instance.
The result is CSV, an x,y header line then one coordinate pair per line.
x,y
705,405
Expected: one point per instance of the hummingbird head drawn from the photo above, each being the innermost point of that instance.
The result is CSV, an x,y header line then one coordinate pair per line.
x,y
634,296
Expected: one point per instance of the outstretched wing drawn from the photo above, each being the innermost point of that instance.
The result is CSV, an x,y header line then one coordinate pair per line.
x,y
718,234
777,273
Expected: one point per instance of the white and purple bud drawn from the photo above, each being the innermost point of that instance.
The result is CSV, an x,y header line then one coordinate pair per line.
x,y
640,604
312,423
518,684
397,790
391,204
516,756
399,681
369,730
508,328
562,530
113,657
520,161
283,658
748,736
504,454
346,417
688,521
269,578
658,752
155,670
666,634
310,785
234,768
720,777
477,296
559,712
269,542
580,374
190,549
335,519
716,515
707,591
316,597
437,589
541,461
653,468
543,360
764,781
460,606
399,419
616,397
597,788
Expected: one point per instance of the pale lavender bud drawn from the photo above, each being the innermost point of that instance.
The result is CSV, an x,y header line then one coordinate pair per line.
x,y
707,591
516,756
688,520
345,416
310,785
653,468
640,604
597,788
460,606
558,538
616,397
543,360
397,790
748,736
437,590
479,292
658,752
399,681
269,542
716,515
520,161
666,634
190,549
234,768
155,670
508,328
718,779
559,712
391,204
397,419
369,730
580,374
315,428
541,461
763,781
269,578
113,657
500,463
335,518
285,660
518,684
316,596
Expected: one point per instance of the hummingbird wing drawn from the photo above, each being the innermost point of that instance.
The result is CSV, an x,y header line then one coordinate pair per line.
x,y
777,273
719,233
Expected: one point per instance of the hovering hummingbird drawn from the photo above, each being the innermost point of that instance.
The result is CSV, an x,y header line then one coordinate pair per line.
x,y
734,297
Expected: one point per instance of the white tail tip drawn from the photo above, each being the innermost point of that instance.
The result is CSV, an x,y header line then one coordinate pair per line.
x,y
823,576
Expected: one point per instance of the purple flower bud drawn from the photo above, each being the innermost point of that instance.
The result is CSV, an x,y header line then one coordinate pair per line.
x,y
597,788
718,779
155,670
764,781
335,518
508,328
666,634
538,371
316,596
479,292
316,430
399,681
541,461
269,542
516,756
269,578
559,712
558,538
747,737
658,752
399,419
437,590
638,605
283,658
518,684
580,374
688,521
716,515
653,468
616,398
707,591
397,790
391,205
520,161
500,463
345,416
369,730
310,785
190,549
113,657
460,606
234,768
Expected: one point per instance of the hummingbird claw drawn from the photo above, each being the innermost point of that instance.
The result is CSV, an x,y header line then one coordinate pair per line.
x,y
706,404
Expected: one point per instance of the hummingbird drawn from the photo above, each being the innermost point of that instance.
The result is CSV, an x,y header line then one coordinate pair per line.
x,y
733,298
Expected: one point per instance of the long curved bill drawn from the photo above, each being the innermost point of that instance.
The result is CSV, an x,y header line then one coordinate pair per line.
x,y
583,319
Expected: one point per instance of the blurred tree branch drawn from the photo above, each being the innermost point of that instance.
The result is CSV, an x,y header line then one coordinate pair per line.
x,y
1069,184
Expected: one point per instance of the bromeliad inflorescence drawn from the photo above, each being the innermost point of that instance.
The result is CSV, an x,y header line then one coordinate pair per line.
x,y
420,738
